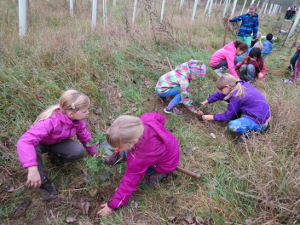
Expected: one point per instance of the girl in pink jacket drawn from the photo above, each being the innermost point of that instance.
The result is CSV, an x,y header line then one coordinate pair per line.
x,y
224,58
154,151
52,132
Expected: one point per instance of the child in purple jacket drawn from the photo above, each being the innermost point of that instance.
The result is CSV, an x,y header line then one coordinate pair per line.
x,y
244,101
52,132
153,150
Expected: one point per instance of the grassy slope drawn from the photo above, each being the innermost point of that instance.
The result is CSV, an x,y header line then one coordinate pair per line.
x,y
257,182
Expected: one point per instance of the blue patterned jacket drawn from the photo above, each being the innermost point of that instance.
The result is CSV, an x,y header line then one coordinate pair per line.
x,y
249,25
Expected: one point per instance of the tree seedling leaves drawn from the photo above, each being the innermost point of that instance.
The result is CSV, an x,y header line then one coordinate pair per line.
x,y
70,219
9,188
134,204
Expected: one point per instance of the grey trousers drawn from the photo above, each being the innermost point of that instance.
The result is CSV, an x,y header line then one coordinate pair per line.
x,y
69,150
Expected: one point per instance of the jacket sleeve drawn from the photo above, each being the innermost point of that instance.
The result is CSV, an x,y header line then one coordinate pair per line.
x,y
255,29
231,67
31,138
127,187
218,96
85,137
185,94
295,57
232,109
237,18
158,116
263,69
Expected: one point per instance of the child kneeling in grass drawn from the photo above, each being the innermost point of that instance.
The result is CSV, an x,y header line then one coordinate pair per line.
x,y
247,109
149,149
52,132
177,83
253,66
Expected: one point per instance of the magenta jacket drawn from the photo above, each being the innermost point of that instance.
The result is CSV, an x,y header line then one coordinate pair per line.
x,y
158,148
51,131
228,52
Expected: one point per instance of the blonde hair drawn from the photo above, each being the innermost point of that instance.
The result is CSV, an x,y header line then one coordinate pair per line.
x,y
254,6
228,79
258,45
70,100
258,36
125,129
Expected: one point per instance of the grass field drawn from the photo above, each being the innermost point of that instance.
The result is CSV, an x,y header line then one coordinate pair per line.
x,y
118,66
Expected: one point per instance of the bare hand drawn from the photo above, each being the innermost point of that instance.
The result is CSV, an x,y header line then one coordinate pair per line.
x,y
105,211
33,177
198,112
229,19
207,117
260,76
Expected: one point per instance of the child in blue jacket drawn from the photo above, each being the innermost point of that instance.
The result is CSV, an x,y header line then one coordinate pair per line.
x,y
268,45
249,25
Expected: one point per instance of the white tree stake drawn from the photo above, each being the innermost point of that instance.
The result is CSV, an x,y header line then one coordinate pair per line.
x,y
210,7
162,10
265,8
94,13
104,13
270,9
226,6
181,4
206,7
194,9
258,4
293,27
71,7
134,10
115,3
233,10
22,17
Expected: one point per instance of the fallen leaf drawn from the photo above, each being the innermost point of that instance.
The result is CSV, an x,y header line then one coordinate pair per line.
x,y
102,90
188,151
119,95
142,76
4,157
172,218
86,207
133,103
94,120
189,219
213,135
98,110
37,94
133,204
170,200
129,222
70,219
114,84
170,187
9,188
199,219
147,83
195,148
21,208
134,109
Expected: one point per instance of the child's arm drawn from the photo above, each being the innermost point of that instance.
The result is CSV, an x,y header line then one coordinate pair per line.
x,y
85,137
255,29
185,94
295,57
262,72
236,19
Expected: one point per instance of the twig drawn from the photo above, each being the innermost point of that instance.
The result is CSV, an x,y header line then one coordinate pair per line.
x,y
78,189
169,63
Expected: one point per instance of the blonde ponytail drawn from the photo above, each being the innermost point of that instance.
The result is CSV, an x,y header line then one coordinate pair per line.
x,y
228,79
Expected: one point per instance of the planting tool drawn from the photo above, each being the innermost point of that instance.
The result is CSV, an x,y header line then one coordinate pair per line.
x,y
187,172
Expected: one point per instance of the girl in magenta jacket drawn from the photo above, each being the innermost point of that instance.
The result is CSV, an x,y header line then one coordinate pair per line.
x,y
154,151
224,58
52,132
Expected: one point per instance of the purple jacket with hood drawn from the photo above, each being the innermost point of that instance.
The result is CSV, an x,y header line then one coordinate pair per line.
x,y
51,131
228,52
158,148
252,105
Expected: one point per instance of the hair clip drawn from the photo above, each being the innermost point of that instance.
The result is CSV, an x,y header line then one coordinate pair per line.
x,y
72,105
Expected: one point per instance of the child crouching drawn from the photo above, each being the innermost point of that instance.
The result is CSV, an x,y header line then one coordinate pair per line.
x,y
177,83
150,148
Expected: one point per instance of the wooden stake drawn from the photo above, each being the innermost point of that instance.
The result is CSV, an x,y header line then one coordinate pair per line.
x,y
169,63
225,32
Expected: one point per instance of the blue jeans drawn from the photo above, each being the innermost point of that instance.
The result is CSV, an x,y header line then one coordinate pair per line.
x,y
173,91
245,126
248,72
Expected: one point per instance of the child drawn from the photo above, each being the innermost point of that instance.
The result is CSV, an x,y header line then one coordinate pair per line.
x,y
243,99
253,66
52,132
268,45
177,83
258,39
256,45
249,25
153,150
293,67
224,58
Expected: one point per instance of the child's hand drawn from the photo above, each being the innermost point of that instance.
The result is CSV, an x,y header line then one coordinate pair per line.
x,y
230,18
105,211
198,112
260,76
33,177
207,117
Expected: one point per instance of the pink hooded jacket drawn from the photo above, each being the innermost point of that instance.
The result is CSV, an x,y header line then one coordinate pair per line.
x,y
51,131
228,52
158,148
